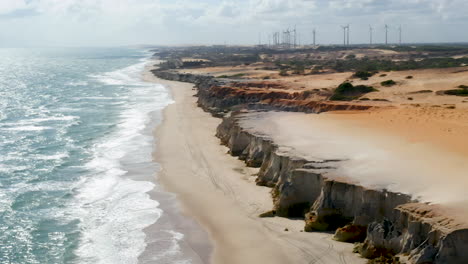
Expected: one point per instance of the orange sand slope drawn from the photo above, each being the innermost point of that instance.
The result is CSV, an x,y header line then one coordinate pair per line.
x,y
394,149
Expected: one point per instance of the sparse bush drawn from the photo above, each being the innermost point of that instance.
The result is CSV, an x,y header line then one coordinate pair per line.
x,y
458,92
234,76
409,77
283,72
347,92
298,69
421,91
383,75
266,77
388,83
363,75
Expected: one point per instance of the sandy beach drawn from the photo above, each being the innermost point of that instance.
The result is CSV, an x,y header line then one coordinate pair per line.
x,y
218,191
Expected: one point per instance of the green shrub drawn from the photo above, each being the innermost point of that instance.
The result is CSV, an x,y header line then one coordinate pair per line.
x,y
388,83
347,92
409,77
364,75
457,92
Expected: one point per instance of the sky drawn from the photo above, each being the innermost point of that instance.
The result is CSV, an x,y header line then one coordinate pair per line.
x,y
38,23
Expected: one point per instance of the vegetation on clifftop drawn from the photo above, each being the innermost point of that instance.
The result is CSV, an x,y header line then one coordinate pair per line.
x,y
363,75
348,92
388,83
462,91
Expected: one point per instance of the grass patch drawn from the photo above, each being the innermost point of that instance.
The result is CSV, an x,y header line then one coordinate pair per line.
x,y
388,83
347,92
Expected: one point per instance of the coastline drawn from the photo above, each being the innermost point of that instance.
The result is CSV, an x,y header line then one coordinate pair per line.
x,y
218,191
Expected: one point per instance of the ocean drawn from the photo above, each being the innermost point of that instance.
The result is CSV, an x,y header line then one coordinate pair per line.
x,y
76,150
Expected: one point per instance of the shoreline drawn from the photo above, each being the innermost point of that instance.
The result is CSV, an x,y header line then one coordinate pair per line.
x,y
218,191
195,244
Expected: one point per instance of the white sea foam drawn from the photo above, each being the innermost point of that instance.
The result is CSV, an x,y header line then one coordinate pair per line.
x,y
58,156
26,128
35,121
115,208
78,83
99,98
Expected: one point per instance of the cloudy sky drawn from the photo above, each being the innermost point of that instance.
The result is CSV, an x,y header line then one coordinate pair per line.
x,y
127,22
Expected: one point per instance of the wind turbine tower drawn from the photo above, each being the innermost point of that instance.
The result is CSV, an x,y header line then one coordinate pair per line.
x,y
287,38
314,33
295,37
344,35
399,29
347,41
386,34
370,34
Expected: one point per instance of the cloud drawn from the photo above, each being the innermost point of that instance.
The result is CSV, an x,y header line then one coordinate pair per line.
x,y
112,22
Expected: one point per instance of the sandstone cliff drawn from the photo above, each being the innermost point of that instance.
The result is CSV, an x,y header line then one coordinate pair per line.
x,y
221,96
385,223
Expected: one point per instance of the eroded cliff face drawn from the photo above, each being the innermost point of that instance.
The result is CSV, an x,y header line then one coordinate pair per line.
x,y
221,96
387,223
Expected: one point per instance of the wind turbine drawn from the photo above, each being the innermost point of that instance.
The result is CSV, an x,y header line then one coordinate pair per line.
x,y
295,36
287,38
386,34
348,35
313,33
370,34
399,29
344,35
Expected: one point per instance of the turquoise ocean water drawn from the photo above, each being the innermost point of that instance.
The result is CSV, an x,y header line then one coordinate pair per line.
x,y
75,141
